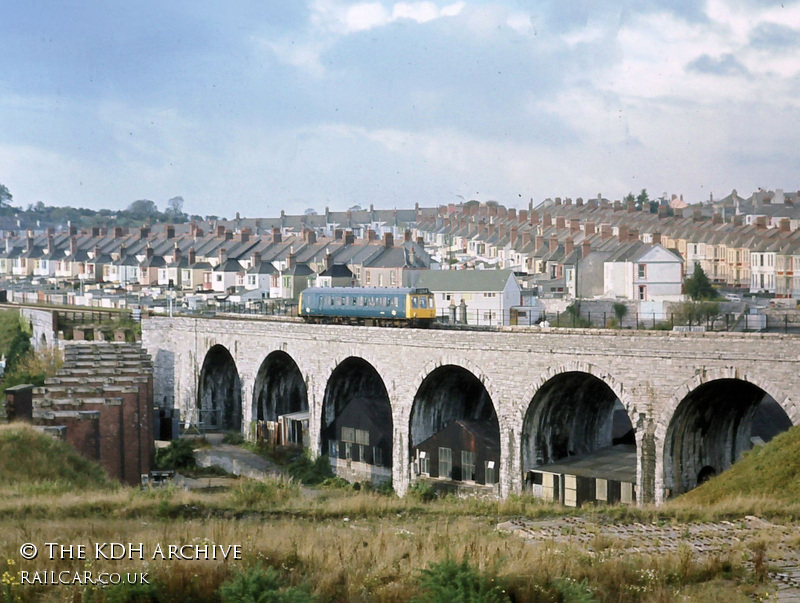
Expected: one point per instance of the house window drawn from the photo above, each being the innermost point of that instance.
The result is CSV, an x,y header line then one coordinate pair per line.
x,y
348,451
642,292
380,280
218,278
367,276
362,437
424,463
377,456
642,270
446,463
333,449
490,474
392,279
348,434
467,466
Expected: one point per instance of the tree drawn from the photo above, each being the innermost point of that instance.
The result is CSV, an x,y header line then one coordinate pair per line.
x,y
142,209
698,286
175,206
620,311
5,196
629,198
642,200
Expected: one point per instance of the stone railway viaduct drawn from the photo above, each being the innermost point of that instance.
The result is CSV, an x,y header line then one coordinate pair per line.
x,y
690,397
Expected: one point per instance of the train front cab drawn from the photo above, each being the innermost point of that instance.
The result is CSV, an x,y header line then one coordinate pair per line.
x,y
420,306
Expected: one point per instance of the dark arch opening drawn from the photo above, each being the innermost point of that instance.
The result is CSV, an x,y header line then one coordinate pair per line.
x,y
279,388
453,411
573,414
706,473
357,420
575,419
713,425
219,397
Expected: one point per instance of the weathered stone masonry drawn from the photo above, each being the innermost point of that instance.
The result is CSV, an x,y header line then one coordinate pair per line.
x,y
650,373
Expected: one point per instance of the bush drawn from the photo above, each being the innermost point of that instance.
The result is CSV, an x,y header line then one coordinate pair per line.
x,y
260,585
233,438
254,493
309,472
422,491
449,581
178,455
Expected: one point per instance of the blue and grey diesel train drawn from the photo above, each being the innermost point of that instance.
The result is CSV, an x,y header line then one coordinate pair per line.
x,y
403,306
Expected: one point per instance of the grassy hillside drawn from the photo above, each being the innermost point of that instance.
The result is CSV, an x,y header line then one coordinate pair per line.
x,y
31,459
771,471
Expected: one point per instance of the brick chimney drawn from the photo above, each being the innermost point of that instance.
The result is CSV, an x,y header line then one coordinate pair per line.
x,y
290,261
526,237
501,230
276,235
574,226
371,236
388,240
761,223
328,261
617,205
407,236
784,225
118,232
123,251
586,248
622,233
256,259
244,235
73,231
193,228
561,223
29,242
656,238
310,237
96,252
219,231
491,228
148,252
579,201
633,235
511,214
569,246
222,256
176,254
697,215
534,217
737,220
144,232
169,230
349,239
589,229
192,256
553,243
481,228
662,212
73,246
547,221
95,231
514,234
605,231
538,242
630,206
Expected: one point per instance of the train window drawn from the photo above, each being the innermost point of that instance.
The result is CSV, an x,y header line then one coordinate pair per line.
x,y
363,300
423,302
415,302
372,301
355,301
331,300
396,302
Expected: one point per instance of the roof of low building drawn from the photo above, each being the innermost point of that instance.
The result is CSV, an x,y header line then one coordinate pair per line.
x,y
464,280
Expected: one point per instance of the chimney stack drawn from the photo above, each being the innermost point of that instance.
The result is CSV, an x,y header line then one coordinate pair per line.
x,y
553,243
784,225
256,258
176,254
586,248
192,256
148,252
328,261
388,240
407,236
310,237
569,246
605,231
371,236
589,229
220,230
656,238
522,215
95,231
290,261
276,235
561,223
538,242
169,229
574,226
511,214
223,256
547,221
144,232
349,238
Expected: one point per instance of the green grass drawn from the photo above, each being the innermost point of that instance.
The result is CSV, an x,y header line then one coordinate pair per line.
x,y
38,462
766,472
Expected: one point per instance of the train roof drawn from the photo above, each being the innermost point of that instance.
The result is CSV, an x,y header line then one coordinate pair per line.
x,y
365,290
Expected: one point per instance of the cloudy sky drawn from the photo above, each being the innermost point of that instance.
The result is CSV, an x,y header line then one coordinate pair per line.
x,y
273,104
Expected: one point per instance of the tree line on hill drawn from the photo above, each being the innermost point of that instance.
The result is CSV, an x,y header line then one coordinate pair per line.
x,y
40,215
